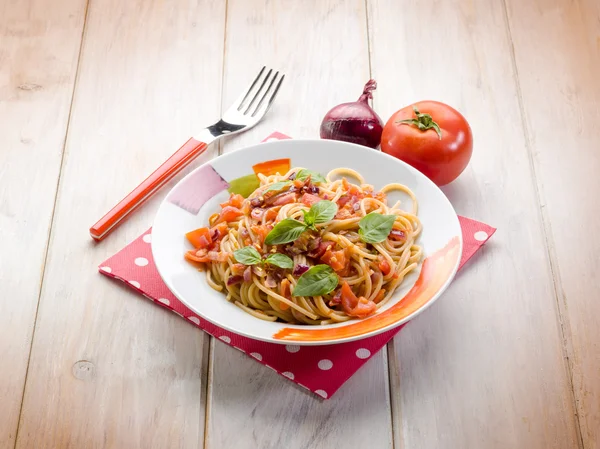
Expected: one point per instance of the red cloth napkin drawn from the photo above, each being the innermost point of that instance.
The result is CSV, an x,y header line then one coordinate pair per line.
x,y
320,369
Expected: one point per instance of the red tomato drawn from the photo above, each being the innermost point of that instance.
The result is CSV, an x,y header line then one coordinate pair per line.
x,y
200,238
353,306
229,213
309,199
411,135
335,259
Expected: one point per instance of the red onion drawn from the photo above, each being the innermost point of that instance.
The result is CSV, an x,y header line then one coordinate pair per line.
x,y
354,122
270,281
234,280
248,274
300,269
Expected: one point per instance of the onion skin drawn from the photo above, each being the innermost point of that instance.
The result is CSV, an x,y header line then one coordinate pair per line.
x,y
354,122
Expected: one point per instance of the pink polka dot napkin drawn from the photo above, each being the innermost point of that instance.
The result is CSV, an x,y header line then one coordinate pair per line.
x,y
320,369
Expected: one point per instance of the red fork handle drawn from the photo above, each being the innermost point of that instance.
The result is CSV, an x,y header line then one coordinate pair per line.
x,y
180,159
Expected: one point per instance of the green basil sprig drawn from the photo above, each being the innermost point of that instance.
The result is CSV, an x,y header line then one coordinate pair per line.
x,y
278,186
320,212
314,176
280,260
374,227
250,256
319,280
247,255
288,229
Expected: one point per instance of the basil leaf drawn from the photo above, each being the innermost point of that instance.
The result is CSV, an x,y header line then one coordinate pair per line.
x,y
244,185
319,280
247,255
309,219
321,212
278,186
374,227
287,230
280,260
314,176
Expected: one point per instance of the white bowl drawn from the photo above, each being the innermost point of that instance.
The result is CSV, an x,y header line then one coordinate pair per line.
x,y
205,188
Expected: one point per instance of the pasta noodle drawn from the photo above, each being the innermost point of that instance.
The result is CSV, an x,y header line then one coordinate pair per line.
x,y
366,273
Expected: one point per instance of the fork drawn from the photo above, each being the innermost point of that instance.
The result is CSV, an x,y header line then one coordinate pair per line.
x,y
242,115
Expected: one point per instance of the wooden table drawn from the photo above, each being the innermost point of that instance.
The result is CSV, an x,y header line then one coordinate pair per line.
x,y
94,94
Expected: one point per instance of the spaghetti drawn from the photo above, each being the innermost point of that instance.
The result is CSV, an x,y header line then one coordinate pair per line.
x,y
300,232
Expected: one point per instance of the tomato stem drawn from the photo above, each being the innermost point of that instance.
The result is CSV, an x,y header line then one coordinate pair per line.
x,y
423,122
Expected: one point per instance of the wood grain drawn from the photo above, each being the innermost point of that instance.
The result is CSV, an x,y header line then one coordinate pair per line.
x,y
325,60
484,366
39,50
557,54
109,368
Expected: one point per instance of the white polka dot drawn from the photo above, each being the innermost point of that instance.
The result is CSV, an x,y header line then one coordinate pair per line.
x,y
141,261
292,348
107,269
135,284
165,301
480,236
363,353
147,238
325,364
225,338
194,319
256,355
288,374
321,393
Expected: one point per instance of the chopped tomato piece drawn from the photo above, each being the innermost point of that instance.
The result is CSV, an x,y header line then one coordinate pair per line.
x,y
284,290
379,296
268,168
335,259
353,306
200,238
235,200
219,231
380,196
229,213
397,235
285,199
261,232
238,268
271,214
384,266
350,188
343,200
320,249
196,256
308,199
345,212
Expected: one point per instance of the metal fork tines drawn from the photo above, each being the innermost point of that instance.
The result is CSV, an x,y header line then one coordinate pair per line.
x,y
250,107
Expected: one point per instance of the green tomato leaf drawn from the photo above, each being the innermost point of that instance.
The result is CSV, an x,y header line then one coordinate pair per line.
x,y
247,255
280,260
287,230
278,186
374,227
319,280
314,176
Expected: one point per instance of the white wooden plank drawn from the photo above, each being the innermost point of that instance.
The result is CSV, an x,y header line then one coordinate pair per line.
x,y
39,51
322,48
109,368
484,366
557,54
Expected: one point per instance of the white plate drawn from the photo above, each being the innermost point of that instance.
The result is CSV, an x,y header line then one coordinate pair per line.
x,y
205,188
